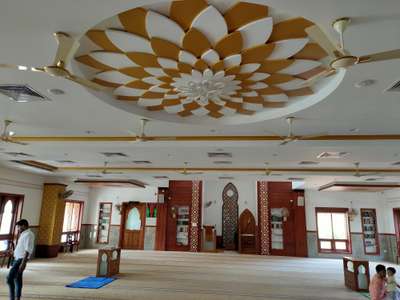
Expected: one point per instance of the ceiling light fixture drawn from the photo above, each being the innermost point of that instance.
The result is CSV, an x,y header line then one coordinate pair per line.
x,y
354,130
56,92
365,83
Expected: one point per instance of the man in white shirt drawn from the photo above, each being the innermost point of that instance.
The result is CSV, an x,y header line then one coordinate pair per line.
x,y
22,253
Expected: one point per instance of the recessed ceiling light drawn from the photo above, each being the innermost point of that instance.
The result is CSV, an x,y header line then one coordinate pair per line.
x,y
354,130
275,154
364,83
89,132
22,68
56,92
213,130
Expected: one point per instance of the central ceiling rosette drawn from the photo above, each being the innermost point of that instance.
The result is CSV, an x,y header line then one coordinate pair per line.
x,y
194,60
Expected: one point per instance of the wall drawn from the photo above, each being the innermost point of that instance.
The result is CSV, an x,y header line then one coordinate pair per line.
x,y
356,200
115,195
212,191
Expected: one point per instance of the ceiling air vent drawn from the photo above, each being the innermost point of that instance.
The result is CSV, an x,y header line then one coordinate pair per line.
x,y
332,155
395,87
94,176
18,154
65,161
21,93
222,162
114,154
308,163
161,177
219,155
142,162
226,177
295,179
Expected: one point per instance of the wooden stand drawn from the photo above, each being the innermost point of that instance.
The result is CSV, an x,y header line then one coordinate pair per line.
x,y
108,262
208,239
356,274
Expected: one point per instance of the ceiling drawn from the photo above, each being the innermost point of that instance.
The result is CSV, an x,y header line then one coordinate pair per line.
x,y
368,110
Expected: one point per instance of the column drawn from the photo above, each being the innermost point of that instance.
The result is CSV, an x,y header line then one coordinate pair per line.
x,y
263,217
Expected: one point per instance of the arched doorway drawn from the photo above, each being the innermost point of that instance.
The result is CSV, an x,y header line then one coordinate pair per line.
x,y
230,210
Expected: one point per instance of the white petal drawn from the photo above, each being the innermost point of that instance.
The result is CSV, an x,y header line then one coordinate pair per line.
x,y
219,75
158,89
187,57
152,80
171,96
149,102
127,91
173,109
155,71
286,48
129,42
197,75
162,27
250,94
300,66
276,98
290,85
201,111
210,57
208,74
167,63
249,68
233,60
227,111
258,86
256,33
258,76
112,59
114,76
211,23
218,101
253,106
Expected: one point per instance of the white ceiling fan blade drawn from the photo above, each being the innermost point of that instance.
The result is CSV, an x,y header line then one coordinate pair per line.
x,y
316,33
16,142
21,68
325,73
86,83
67,47
386,55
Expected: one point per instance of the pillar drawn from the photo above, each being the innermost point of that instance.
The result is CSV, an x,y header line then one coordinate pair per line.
x,y
51,220
263,217
195,228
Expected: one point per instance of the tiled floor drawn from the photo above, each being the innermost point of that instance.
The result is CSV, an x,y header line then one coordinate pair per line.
x,y
177,275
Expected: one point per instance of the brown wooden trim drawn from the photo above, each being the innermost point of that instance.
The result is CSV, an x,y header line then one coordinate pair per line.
x,y
112,183
36,164
364,137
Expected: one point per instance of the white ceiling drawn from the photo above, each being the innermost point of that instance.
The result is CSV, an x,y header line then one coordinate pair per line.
x,y
26,39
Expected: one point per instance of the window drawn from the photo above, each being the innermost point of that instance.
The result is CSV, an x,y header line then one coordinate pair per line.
x,y
10,212
72,221
333,230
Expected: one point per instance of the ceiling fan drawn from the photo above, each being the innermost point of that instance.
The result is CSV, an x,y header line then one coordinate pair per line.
x,y
291,137
186,172
67,46
268,171
143,138
358,174
341,58
7,135
106,172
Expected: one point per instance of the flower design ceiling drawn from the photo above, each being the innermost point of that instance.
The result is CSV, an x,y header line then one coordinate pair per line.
x,y
195,62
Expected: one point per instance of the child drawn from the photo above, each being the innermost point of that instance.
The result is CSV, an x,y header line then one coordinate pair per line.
x,y
377,284
391,285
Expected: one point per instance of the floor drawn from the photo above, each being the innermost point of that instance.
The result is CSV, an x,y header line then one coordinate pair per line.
x,y
191,276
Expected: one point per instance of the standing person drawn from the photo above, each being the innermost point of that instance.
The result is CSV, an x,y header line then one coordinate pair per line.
x,y
22,253
377,284
392,286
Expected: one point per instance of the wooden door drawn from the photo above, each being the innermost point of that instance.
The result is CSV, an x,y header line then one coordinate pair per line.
x,y
396,215
133,218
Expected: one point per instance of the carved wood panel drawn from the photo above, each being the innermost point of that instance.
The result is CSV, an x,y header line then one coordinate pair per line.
x,y
230,210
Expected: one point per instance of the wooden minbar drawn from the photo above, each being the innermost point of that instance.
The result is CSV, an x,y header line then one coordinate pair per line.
x,y
108,261
208,239
356,274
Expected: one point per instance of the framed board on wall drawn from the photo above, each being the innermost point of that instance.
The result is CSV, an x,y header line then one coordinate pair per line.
x,y
104,222
370,231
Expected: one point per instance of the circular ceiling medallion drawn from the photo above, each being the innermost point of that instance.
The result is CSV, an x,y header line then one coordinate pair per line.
x,y
190,61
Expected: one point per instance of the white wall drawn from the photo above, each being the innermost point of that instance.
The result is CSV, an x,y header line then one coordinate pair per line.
x,y
212,191
356,200
392,200
117,195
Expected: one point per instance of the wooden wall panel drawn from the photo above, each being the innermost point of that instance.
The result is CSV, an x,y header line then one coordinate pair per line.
x,y
161,228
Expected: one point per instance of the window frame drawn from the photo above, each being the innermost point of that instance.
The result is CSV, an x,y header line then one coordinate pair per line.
x,y
333,250
18,202
73,236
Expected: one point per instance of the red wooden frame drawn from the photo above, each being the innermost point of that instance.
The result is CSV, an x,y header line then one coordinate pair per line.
x,y
332,241
75,233
98,224
378,250
18,202
396,221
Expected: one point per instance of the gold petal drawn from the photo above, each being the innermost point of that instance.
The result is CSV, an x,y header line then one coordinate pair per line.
x,y
144,59
185,113
166,79
278,79
271,90
233,105
127,98
191,106
172,72
215,114
91,62
243,13
311,51
134,21
257,99
305,91
155,107
138,84
136,72
290,29
219,66
233,70
106,83
152,95
257,54
165,48
230,44
212,106
171,102
184,12
243,76
274,104
273,66
195,42
243,111
185,68
311,73
201,65
100,38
